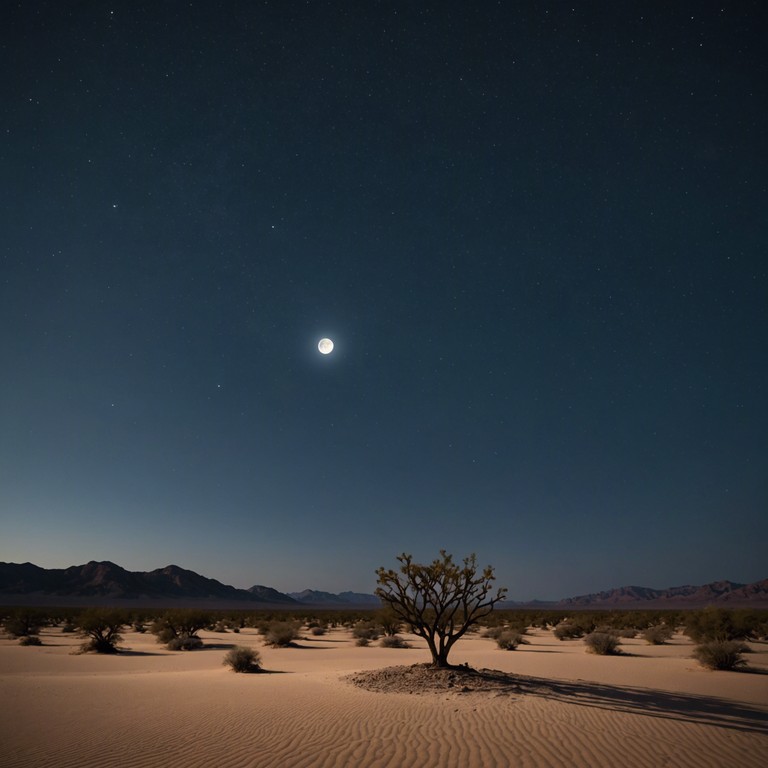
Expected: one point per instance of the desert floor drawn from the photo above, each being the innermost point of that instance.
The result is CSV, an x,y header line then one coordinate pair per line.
x,y
148,707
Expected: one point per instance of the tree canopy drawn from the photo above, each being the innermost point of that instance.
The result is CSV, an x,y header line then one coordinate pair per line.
x,y
439,601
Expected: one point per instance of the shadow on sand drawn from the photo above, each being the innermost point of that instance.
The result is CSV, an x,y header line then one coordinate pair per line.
x,y
691,708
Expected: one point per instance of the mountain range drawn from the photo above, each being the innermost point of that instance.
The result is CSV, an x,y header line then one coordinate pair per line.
x,y
108,582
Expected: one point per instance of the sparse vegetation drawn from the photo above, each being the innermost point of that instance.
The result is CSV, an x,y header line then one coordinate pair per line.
x,y
243,659
281,634
658,634
23,623
602,643
393,641
440,601
30,640
508,640
101,628
178,629
366,630
713,624
389,621
720,654
184,642
567,630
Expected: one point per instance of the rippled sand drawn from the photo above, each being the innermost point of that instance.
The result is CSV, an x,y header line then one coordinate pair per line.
x,y
149,707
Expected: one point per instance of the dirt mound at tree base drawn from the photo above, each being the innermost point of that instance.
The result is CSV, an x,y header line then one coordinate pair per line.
x,y
426,679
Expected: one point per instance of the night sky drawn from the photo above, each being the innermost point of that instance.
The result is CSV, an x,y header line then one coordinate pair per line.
x,y
536,233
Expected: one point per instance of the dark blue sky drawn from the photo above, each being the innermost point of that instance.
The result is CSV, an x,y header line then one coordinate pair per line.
x,y
535,232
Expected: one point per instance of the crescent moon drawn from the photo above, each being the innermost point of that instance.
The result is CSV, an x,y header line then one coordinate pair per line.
x,y
325,346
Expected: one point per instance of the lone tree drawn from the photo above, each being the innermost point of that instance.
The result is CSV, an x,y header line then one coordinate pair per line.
x,y
439,601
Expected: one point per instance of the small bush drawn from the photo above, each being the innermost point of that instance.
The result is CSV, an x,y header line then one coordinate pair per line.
x,y
30,640
508,640
184,643
602,643
565,630
657,635
393,641
318,631
366,629
362,642
720,654
242,659
101,629
69,627
281,634
23,624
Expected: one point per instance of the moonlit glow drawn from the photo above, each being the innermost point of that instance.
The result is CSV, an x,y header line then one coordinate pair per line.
x,y
325,346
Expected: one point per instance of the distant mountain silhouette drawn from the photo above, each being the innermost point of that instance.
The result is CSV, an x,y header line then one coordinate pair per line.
x,y
106,581
722,593
316,597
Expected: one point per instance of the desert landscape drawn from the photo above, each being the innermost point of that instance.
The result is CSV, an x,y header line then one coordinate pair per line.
x,y
312,705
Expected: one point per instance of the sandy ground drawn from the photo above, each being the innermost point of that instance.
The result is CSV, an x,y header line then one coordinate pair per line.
x,y
148,707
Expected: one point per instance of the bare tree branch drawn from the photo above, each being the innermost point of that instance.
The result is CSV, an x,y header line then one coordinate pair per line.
x,y
439,601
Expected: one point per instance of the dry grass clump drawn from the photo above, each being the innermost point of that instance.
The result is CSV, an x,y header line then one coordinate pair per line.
x,y
507,638
243,659
30,640
393,641
366,630
602,643
281,634
184,642
720,654
567,630
23,623
658,635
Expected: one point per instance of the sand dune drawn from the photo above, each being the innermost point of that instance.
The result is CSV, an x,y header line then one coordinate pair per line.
x,y
150,707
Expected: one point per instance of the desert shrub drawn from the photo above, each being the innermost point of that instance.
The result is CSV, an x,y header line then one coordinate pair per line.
x,y
184,642
281,634
720,654
566,630
318,631
242,659
220,626
69,627
716,624
602,643
140,627
508,640
367,630
101,629
23,623
627,634
362,642
30,640
657,635
393,641
389,622
178,629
